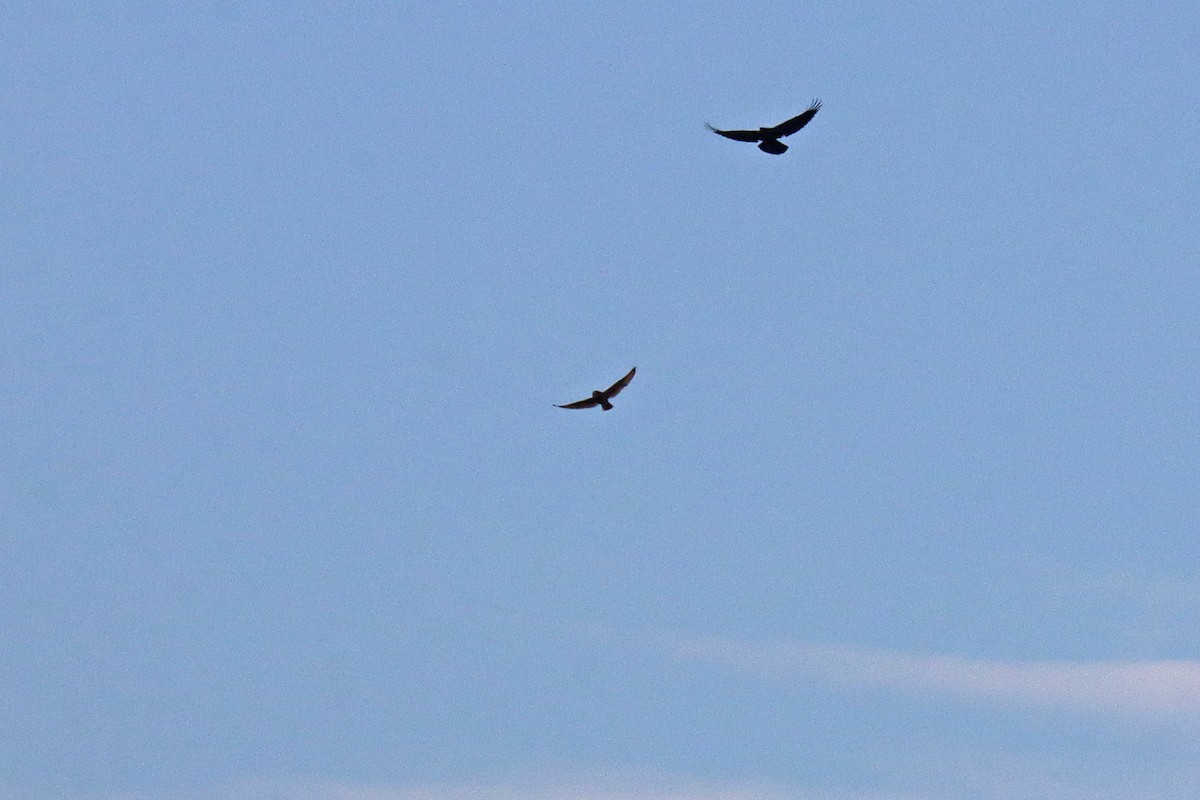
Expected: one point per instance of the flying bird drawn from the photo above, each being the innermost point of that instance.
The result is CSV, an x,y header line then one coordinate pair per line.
x,y
768,138
601,398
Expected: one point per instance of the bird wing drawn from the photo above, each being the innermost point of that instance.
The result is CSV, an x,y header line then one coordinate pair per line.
x,y
737,136
796,123
616,388
589,403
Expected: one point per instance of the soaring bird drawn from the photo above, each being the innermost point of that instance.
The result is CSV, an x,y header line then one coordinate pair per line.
x,y
768,138
601,398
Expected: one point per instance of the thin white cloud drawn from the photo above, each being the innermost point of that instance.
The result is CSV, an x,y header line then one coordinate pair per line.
x,y
978,779
567,792
1142,688
540,788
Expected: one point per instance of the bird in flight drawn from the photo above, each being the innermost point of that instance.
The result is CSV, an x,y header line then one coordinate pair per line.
x,y
768,138
601,398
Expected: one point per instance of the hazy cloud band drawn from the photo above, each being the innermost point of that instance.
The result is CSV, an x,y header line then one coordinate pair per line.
x,y
1154,688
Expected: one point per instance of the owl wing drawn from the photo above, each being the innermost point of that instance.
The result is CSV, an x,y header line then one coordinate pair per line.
x,y
616,388
796,123
589,403
737,136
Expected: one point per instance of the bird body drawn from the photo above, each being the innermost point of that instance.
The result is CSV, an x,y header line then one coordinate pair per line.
x,y
768,138
772,146
601,398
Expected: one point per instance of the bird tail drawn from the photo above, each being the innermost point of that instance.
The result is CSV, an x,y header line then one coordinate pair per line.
x,y
605,405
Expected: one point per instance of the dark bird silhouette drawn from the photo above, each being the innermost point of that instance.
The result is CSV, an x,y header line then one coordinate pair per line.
x,y
601,398
768,138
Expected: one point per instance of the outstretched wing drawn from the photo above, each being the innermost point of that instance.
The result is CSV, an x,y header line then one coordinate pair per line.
x,y
796,123
589,403
737,136
616,388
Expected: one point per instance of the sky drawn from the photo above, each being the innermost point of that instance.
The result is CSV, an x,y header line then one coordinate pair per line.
x,y
901,505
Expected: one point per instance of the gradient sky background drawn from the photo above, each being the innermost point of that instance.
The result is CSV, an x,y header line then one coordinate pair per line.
x,y
903,502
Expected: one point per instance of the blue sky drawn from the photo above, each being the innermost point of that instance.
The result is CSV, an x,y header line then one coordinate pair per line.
x,y
901,505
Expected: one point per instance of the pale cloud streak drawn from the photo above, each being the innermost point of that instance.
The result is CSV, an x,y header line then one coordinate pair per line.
x,y
565,792
561,787
1168,688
